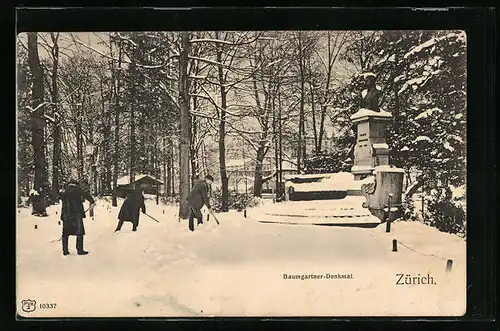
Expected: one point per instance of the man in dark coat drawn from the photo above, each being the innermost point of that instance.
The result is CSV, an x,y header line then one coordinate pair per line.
x,y
130,209
72,215
197,198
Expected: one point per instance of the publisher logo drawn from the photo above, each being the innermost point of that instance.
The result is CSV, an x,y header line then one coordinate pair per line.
x,y
28,305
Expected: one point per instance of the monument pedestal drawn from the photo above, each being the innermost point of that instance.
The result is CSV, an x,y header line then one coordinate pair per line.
x,y
371,149
387,189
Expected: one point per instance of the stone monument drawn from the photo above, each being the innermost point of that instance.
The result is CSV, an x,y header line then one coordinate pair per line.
x,y
371,149
371,156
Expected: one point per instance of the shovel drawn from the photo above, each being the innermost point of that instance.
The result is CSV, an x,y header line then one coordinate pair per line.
x,y
215,218
154,219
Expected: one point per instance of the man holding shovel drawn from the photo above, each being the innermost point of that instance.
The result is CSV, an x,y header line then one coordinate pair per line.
x,y
130,209
72,215
197,198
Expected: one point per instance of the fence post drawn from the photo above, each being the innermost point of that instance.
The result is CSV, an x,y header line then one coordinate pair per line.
x,y
388,219
449,265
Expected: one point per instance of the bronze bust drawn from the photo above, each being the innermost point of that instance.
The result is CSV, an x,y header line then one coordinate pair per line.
x,y
371,99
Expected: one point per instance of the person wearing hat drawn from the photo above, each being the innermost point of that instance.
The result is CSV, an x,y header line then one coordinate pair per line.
x,y
72,215
130,209
197,198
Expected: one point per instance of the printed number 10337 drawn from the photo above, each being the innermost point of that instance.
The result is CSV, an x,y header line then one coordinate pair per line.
x,y
48,306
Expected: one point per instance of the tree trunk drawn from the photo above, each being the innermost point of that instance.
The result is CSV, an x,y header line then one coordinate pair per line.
x,y
257,184
394,153
79,141
315,129
331,60
184,125
173,172
169,168
37,116
56,153
280,146
222,134
116,140
222,161
204,158
276,155
321,128
164,164
132,127
301,148
106,163
192,146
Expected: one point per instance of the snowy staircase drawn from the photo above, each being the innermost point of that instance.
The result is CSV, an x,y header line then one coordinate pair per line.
x,y
344,212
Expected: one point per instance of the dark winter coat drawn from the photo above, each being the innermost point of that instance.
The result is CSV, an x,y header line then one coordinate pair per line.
x,y
72,211
130,208
199,195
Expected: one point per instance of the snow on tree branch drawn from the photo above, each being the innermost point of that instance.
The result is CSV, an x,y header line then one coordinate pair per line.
x,y
145,66
461,36
207,61
216,41
37,107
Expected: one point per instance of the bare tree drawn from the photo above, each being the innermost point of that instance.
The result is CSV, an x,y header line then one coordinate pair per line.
x,y
37,115
335,42
116,77
184,124
273,60
56,150
223,59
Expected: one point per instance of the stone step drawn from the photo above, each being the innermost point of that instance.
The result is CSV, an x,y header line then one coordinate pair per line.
x,y
336,215
355,218
339,221
348,211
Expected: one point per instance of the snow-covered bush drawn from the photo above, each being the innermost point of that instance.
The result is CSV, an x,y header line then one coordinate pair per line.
x,y
445,211
339,160
409,210
326,164
237,201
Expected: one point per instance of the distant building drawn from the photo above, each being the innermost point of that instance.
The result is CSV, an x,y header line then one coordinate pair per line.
x,y
150,185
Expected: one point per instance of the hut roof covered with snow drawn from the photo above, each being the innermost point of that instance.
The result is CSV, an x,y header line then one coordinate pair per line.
x,y
125,180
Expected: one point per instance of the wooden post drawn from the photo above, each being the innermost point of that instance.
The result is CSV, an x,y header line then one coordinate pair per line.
x,y
449,265
157,195
388,219
114,202
423,201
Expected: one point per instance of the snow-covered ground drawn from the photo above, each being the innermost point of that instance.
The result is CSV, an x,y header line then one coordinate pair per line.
x,y
235,268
